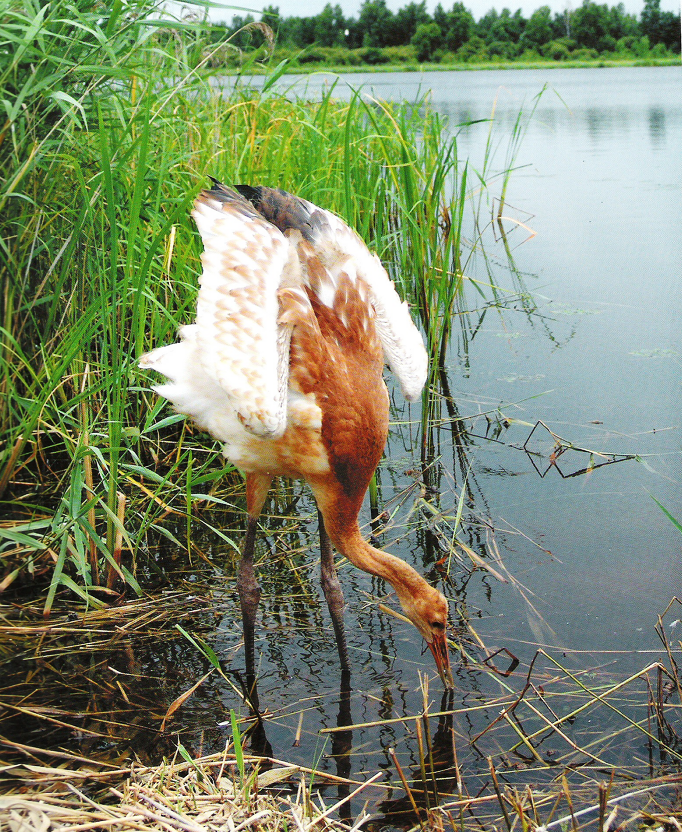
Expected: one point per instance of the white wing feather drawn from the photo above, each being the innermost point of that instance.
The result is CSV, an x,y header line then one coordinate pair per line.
x,y
237,333
236,356
340,248
237,309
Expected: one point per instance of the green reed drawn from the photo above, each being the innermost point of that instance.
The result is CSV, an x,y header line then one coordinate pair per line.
x,y
103,151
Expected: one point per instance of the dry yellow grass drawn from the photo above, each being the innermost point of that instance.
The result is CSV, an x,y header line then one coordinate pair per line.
x,y
188,796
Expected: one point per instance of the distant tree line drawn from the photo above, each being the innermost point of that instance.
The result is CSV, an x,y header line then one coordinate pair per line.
x,y
379,35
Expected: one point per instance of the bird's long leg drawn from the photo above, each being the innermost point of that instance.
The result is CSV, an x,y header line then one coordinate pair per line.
x,y
257,487
332,592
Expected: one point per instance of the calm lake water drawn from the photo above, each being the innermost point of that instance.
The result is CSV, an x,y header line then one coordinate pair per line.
x,y
599,182
594,214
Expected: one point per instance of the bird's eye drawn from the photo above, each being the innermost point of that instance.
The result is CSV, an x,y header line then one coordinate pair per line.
x,y
437,625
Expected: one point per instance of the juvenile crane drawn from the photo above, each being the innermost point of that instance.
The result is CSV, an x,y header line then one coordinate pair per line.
x,y
284,365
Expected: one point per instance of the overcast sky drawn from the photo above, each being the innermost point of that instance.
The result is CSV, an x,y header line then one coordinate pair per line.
x,y
351,8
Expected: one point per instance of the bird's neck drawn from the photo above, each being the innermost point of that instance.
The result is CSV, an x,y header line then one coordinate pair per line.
x,y
406,581
340,514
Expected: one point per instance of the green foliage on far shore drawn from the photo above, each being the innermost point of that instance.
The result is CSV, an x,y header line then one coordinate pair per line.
x,y
412,36
397,59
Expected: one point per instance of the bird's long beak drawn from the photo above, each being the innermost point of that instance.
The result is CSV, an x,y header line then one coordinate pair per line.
x,y
439,648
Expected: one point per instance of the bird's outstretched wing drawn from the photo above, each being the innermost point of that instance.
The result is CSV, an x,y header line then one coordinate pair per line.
x,y
239,342
340,249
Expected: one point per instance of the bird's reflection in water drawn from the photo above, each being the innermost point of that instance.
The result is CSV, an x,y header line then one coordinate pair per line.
x,y
341,742
438,777
258,741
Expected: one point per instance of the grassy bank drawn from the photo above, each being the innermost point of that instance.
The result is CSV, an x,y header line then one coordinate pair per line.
x,y
414,66
183,794
101,262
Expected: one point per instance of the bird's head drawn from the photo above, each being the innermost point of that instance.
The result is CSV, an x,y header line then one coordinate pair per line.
x,y
427,609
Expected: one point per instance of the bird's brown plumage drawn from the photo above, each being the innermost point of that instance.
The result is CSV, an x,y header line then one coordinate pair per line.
x,y
336,318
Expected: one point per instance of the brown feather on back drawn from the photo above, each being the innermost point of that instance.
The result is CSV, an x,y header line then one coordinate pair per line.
x,y
336,354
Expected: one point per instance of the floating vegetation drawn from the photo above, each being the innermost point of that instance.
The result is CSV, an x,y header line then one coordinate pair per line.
x,y
567,743
545,450
657,352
